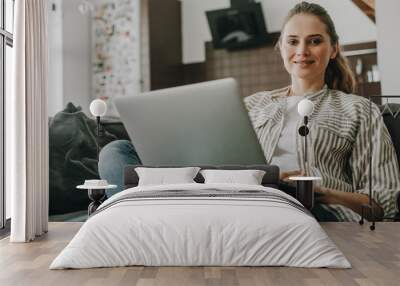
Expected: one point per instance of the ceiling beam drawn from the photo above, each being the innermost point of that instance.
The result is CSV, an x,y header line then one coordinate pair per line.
x,y
367,6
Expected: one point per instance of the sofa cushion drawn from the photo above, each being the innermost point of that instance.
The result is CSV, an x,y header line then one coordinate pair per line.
x,y
73,156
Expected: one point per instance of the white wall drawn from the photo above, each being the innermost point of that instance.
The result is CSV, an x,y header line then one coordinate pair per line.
x,y
69,56
77,75
195,31
388,22
55,98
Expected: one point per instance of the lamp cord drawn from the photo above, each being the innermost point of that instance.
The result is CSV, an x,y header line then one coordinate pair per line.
x,y
305,147
98,136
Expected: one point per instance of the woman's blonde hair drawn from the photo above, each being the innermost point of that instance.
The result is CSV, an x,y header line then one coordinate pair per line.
x,y
338,74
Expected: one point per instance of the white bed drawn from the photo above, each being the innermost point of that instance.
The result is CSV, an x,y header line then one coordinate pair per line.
x,y
205,230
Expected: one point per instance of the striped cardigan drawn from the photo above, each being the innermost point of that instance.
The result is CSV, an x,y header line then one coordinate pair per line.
x,y
338,144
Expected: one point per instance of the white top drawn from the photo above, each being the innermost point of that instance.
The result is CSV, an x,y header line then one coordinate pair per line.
x,y
285,153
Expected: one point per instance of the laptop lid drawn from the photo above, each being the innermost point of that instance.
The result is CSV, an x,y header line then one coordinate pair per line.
x,y
197,124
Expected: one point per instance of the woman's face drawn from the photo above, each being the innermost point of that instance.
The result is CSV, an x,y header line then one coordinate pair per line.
x,y
306,47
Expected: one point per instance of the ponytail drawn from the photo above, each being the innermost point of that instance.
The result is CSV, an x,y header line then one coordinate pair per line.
x,y
339,76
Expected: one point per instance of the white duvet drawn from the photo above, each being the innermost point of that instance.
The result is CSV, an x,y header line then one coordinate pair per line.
x,y
200,231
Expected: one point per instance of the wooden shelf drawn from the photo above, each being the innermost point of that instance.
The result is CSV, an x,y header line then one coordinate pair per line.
x,y
370,88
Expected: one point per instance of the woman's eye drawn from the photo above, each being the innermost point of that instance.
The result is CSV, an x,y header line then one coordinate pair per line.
x,y
292,42
316,41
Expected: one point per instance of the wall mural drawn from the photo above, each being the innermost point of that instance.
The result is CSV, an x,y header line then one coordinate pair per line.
x,y
115,58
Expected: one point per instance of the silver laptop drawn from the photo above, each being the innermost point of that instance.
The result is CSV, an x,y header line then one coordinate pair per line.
x,y
197,124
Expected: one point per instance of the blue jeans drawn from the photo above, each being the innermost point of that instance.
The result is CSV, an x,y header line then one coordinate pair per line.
x,y
112,160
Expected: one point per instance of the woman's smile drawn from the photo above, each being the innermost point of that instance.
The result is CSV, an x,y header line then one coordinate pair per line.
x,y
303,63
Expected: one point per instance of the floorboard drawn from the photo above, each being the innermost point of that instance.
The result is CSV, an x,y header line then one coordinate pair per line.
x,y
374,255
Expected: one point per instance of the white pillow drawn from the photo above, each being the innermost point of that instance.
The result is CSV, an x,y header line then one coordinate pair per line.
x,y
248,177
164,176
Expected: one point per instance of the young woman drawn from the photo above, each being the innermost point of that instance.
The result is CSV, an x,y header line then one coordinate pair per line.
x,y
338,141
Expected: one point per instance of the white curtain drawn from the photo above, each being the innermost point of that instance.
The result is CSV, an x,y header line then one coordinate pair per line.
x,y
26,127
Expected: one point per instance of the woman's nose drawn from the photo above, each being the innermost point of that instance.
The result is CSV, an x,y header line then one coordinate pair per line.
x,y
302,49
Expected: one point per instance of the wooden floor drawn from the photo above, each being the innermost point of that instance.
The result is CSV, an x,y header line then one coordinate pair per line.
x,y
375,257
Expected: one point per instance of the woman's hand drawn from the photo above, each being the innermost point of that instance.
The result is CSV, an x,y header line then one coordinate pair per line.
x,y
284,176
351,200
325,195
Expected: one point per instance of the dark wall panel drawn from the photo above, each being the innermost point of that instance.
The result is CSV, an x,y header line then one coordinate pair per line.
x,y
166,69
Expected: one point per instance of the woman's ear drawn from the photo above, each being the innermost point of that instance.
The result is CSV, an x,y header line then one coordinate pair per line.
x,y
335,51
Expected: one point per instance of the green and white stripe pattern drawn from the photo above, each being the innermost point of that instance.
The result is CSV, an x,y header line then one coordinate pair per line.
x,y
338,144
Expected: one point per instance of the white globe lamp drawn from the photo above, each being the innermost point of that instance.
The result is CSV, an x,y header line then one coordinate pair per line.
x,y
98,108
305,108
304,188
